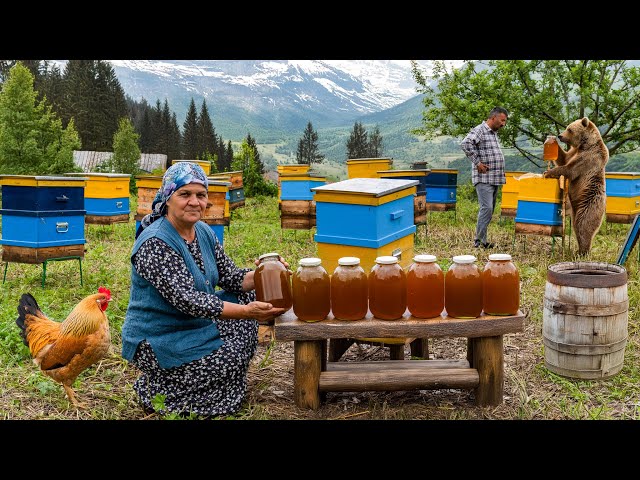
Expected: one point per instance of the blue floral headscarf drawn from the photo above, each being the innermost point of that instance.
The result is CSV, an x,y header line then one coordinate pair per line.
x,y
176,176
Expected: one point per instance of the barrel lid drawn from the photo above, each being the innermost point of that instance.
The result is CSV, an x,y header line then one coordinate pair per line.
x,y
424,258
464,259
499,256
386,260
587,274
271,254
310,262
349,261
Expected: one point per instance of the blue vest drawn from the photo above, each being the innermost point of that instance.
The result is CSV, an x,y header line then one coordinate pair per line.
x,y
175,337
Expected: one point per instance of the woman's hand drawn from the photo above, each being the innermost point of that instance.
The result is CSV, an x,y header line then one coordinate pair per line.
x,y
263,312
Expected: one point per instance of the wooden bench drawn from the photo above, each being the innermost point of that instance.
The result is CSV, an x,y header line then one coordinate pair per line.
x,y
482,371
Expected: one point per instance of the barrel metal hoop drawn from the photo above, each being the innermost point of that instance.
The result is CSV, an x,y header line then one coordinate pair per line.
x,y
555,306
587,274
582,349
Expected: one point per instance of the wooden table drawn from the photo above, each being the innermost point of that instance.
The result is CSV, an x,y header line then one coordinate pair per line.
x,y
482,371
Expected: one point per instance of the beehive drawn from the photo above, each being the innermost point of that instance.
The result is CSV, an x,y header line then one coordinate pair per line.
x,y
442,188
370,216
147,186
509,203
43,217
540,204
367,167
206,165
297,207
106,197
216,214
287,169
236,189
623,196
420,200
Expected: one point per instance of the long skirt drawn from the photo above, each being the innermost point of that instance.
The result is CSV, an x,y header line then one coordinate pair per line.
x,y
213,385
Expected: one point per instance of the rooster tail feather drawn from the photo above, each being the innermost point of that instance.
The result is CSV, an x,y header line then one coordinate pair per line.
x,y
27,305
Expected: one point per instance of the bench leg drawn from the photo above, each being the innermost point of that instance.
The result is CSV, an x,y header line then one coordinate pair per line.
x,y
396,352
337,347
307,361
420,348
487,354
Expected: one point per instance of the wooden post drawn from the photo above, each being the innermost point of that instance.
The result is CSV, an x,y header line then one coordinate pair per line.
x,y
323,365
396,352
488,360
337,347
420,348
307,358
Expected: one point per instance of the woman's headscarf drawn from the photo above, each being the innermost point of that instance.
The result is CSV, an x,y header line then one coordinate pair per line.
x,y
176,176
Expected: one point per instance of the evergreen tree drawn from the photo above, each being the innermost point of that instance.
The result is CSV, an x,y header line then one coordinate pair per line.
x,y
207,141
175,140
158,129
228,156
307,152
190,133
32,140
375,143
126,153
254,182
358,143
252,144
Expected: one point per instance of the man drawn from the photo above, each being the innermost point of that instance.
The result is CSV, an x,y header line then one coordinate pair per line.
x,y
487,171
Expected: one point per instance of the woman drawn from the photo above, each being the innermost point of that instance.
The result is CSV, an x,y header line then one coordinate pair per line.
x,y
191,344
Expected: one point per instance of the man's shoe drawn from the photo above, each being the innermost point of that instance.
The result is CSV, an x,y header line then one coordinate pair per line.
x,y
488,245
476,244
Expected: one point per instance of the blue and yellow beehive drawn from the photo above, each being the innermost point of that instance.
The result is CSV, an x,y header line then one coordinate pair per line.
x,y
539,201
420,200
216,215
297,205
205,164
365,218
43,217
106,197
236,189
442,189
286,169
509,203
623,196
367,167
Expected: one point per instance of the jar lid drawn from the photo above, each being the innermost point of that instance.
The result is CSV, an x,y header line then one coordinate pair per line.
x,y
310,262
464,259
424,258
386,260
499,256
349,261
265,255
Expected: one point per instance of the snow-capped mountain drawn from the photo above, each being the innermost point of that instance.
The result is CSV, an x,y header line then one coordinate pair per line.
x,y
271,96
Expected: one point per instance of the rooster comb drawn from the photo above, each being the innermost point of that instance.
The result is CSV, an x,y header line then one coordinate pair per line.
x,y
105,291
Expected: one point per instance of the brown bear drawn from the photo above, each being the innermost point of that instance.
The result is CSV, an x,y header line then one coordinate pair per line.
x,y
583,164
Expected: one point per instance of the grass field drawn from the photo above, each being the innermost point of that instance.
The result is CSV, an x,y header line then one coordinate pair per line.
x,y
531,391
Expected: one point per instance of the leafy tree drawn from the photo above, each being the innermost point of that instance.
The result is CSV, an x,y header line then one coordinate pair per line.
x,y
126,153
375,143
32,140
542,96
254,182
307,152
190,133
358,142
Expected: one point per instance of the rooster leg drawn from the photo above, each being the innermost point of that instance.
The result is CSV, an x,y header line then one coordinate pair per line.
x,y
72,397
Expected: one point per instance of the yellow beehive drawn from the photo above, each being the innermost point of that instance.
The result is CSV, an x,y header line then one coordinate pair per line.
x,y
367,167
510,191
623,205
295,168
206,165
534,188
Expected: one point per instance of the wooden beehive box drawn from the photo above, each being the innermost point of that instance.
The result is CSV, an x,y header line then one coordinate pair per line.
x,y
623,196
297,207
148,186
367,167
43,217
442,188
106,197
540,204
509,203
367,218
206,165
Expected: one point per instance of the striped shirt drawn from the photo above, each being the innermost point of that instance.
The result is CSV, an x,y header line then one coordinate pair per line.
x,y
481,145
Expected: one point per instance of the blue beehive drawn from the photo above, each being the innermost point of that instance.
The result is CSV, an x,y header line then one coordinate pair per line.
x,y
42,217
297,186
623,196
442,185
106,197
297,207
420,200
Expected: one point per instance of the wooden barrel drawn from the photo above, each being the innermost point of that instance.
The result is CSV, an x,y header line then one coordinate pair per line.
x,y
585,319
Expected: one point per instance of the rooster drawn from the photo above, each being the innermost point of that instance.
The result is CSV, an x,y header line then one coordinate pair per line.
x,y
65,349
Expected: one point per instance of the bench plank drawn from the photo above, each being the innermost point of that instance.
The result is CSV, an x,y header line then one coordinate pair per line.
x,y
373,365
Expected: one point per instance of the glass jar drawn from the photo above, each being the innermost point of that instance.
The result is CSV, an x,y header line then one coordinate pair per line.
x,y
425,287
463,288
500,286
272,281
349,290
387,289
311,291
550,149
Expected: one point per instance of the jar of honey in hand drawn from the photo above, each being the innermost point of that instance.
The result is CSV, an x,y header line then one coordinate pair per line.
x,y
272,281
425,287
550,149
500,286
463,288
387,289
349,290
311,291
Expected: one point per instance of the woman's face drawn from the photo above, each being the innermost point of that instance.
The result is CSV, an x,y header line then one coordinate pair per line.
x,y
188,203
